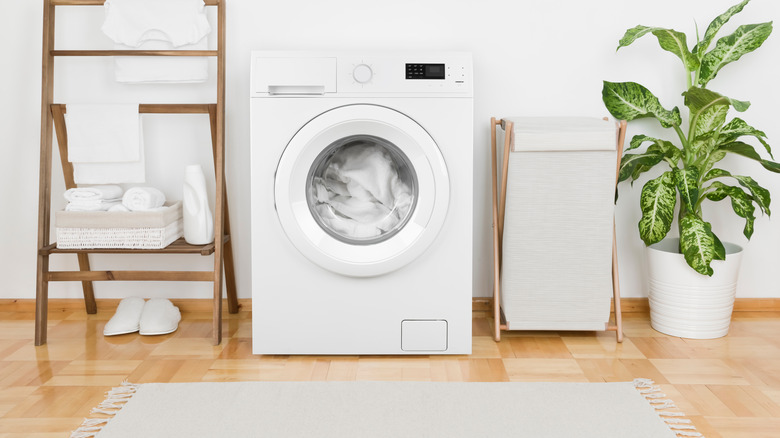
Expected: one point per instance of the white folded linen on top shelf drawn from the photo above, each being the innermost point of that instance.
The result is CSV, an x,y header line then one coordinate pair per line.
x,y
103,133
161,69
158,25
94,193
131,22
143,199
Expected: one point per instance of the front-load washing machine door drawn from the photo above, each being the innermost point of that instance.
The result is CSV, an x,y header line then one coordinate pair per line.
x,y
362,190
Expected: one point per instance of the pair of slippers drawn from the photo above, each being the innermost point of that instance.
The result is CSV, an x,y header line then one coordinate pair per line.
x,y
158,316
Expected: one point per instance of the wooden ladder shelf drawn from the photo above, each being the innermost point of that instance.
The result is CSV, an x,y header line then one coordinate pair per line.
x,y
52,116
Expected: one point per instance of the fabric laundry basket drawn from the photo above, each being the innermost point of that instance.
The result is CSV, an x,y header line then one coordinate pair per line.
x,y
557,244
119,229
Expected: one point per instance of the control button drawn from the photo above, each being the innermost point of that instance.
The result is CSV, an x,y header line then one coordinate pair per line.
x,y
362,74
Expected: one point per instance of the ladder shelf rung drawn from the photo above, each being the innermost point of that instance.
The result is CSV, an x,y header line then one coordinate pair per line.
x,y
101,2
133,52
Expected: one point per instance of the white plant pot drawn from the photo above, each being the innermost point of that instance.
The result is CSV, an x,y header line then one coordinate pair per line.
x,y
685,303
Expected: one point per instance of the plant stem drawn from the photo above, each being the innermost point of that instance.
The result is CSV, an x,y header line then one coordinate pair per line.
x,y
681,214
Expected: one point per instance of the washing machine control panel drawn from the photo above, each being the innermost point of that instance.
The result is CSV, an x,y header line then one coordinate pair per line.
x,y
435,73
279,74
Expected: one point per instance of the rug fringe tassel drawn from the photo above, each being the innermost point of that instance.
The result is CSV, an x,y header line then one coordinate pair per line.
x,y
682,427
115,400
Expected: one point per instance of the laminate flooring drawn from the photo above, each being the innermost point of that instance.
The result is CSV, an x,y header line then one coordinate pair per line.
x,y
729,387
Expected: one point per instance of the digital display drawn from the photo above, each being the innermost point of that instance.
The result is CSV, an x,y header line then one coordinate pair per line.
x,y
425,71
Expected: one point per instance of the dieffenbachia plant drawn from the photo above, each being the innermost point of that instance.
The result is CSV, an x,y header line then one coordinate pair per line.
x,y
709,138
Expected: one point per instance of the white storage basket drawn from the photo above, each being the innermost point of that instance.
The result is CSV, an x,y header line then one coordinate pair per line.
x,y
119,229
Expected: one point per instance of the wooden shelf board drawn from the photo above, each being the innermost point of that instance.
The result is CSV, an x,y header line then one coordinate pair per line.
x,y
177,247
133,52
101,2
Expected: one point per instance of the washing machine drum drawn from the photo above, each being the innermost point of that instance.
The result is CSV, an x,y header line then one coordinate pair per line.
x,y
362,190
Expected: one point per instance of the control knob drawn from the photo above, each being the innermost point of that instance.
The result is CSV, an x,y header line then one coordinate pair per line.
x,y
362,74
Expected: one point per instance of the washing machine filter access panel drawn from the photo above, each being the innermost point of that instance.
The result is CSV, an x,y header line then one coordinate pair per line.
x,y
424,335
362,186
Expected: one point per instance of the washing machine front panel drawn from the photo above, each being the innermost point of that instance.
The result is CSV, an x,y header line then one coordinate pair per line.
x,y
361,190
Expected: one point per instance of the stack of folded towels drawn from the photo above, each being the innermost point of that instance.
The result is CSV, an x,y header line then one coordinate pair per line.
x,y
111,198
95,198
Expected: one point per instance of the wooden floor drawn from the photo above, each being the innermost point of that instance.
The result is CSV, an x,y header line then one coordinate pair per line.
x,y
729,387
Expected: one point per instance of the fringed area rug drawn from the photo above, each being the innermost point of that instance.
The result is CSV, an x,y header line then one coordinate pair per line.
x,y
386,409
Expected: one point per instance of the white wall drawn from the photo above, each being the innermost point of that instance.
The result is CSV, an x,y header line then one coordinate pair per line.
x,y
530,58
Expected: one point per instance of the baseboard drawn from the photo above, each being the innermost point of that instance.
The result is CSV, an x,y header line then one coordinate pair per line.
x,y
641,305
478,304
109,304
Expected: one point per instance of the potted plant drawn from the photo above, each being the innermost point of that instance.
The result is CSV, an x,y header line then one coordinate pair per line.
x,y
692,302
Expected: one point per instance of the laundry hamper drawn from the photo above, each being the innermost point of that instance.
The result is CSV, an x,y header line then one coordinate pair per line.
x,y
556,265
119,229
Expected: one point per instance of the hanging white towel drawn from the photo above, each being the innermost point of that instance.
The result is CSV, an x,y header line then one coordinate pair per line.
x,y
112,173
161,69
103,133
143,198
94,193
132,22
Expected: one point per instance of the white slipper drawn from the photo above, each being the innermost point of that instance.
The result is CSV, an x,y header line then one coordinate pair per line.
x,y
159,317
127,318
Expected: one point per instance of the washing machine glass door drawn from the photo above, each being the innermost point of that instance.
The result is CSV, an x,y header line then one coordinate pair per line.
x,y
362,190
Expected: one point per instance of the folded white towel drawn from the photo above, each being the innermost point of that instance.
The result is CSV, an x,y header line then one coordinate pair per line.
x,y
161,69
119,207
143,198
92,206
131,22
103,133
94,193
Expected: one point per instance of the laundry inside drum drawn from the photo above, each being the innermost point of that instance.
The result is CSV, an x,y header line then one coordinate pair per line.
x,y
362,189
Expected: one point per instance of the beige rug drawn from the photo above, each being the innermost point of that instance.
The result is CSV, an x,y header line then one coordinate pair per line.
x,y
386,409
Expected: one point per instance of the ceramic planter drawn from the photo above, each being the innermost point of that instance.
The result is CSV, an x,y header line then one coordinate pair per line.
x,y
685,303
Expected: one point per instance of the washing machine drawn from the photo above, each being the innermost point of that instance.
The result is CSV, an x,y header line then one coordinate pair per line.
x,y
361,203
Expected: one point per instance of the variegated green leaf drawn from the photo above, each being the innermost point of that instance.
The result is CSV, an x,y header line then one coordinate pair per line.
x,y
746,150
712,30
700,100
676,43
741,203
667,149
738,128
720,250
657,201
634,34
703,144
687,182
631,163
715,173
638,140
697,243
669,40
760,195
629,101
711,119
712,158
745,39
